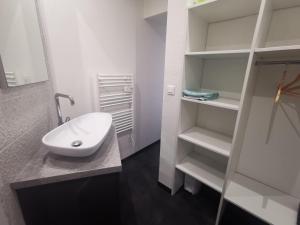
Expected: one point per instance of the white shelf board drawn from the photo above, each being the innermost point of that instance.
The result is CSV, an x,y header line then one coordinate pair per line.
x,y
220,10
266,203
241,53
210,140
278,51
201,4
279,4
225,103
203,169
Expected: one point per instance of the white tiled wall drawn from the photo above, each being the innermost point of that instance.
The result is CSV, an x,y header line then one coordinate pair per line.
x,y
26,114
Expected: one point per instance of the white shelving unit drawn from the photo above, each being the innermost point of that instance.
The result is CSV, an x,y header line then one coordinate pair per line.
x,y
210,140
257,140
279,24
204,170
269,204
222,25
218,64
216,11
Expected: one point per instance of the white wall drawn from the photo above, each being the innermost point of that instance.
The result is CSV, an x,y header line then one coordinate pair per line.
x,y
155,7
111,37
150,78
86,38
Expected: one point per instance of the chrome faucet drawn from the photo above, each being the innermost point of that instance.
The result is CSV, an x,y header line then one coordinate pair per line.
x,y
59,114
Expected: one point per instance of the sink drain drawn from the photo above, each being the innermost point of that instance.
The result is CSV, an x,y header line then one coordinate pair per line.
x,y
76,143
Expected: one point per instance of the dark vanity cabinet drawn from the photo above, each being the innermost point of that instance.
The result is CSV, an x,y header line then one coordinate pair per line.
x,y
86,201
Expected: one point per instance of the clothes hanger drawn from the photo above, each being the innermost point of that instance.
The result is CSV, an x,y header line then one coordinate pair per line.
x,y
287,89
293,94
294,88
297,79
282,88
281,84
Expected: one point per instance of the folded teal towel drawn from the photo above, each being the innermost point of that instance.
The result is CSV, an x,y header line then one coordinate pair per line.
x,y
201,95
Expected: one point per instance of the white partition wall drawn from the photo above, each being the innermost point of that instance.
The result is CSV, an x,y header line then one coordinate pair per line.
x,y
243,145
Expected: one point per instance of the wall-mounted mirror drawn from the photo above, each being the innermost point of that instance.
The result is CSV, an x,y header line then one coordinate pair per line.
x,y
22,57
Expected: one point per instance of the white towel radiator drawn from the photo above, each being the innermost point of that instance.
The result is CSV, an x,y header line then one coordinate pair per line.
x,y
116,97
11,79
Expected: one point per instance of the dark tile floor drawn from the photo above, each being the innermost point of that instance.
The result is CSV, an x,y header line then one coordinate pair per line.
x,y
145,202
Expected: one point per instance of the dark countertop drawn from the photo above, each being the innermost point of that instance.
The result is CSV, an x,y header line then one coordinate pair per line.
x,y
45,167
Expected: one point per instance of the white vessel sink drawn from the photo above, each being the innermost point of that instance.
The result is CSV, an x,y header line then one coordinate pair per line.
x,y
79,137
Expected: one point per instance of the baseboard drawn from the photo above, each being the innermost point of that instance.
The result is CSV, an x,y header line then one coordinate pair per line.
x,y
140,151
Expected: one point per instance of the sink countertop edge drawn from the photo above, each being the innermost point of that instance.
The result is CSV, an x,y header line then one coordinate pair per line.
x,y
45,168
